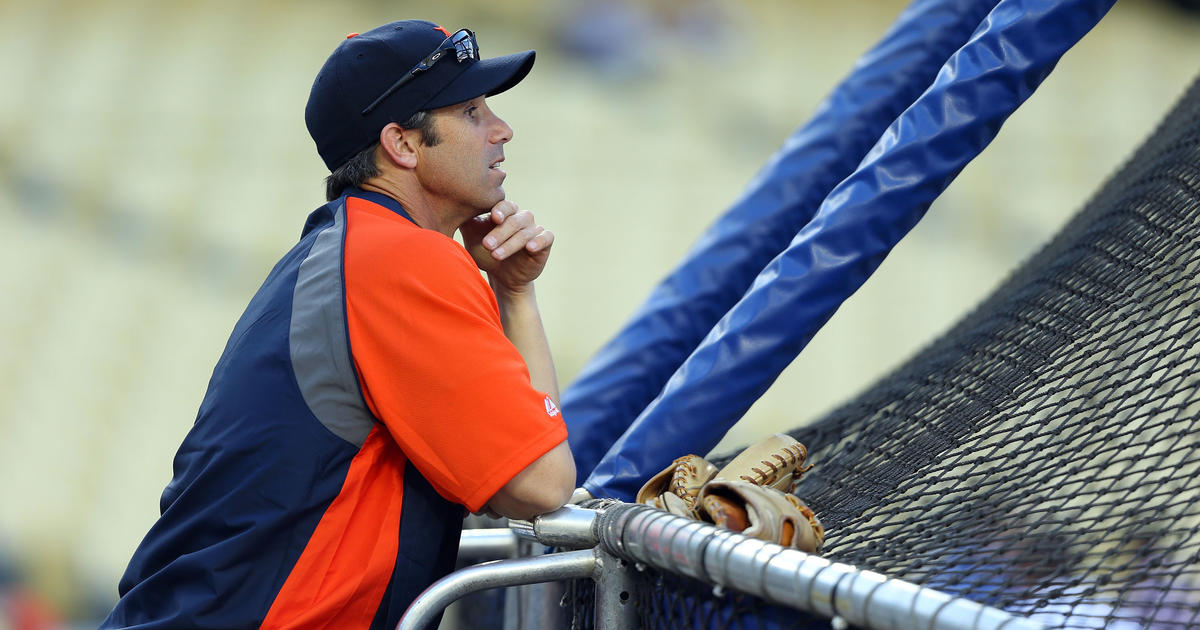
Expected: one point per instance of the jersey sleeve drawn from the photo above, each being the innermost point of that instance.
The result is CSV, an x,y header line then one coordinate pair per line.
x,y
434,364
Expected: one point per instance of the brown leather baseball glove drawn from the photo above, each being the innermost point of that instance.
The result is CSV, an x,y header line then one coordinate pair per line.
x,y
762,512
750,494
777,462
676,487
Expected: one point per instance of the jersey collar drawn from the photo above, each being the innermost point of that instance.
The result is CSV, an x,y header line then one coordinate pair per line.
x,y
380,199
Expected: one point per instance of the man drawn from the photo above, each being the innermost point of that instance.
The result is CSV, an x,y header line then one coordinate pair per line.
x,y
376,384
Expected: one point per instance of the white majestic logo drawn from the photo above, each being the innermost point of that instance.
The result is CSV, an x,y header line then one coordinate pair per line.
x,y
551,408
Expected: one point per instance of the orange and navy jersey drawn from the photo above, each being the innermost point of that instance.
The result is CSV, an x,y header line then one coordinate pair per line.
x,y
365,398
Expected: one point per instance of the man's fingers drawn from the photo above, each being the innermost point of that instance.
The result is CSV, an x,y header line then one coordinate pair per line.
x,y
542,241
500,239
503,210
518,241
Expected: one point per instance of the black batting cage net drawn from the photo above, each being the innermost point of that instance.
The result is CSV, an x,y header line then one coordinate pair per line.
x,y
1043,456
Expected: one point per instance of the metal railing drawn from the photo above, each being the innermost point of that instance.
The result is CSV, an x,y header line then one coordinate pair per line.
x,y
607,543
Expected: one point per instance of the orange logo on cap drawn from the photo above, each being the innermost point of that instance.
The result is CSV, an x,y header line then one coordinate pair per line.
x,y
439,28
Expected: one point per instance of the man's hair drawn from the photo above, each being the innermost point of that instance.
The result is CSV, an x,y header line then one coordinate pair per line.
x,y
362,166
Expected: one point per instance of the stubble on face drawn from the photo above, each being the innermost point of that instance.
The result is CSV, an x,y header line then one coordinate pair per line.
x,y
460,173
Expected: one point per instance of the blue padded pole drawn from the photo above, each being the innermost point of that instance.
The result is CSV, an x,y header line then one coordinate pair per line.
x,y
627,373
1011,52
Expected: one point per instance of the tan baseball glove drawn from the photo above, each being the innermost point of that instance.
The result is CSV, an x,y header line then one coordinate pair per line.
x,y
762,512
676,487
776,462
750,494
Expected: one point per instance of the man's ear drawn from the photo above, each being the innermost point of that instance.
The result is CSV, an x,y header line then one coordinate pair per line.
x,y
399,145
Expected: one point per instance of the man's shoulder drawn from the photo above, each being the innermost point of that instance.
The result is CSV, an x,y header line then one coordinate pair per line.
x,y
380,223
385,238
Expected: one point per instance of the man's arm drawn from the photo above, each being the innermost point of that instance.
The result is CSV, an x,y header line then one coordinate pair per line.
x,y
539,488
522,323
513,250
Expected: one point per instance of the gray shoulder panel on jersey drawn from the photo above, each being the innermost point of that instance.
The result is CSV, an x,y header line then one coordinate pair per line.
x,y
319,342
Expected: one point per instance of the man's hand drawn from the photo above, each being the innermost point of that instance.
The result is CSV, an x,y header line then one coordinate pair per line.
x,y
508,244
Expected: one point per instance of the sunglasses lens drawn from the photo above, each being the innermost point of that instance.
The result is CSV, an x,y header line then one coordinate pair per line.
x,y
464,45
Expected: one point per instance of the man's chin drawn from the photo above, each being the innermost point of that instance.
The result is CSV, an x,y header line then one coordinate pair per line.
x,y
496,197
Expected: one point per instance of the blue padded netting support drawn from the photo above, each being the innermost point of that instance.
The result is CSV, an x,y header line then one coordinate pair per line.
x,y
627,373
1011,52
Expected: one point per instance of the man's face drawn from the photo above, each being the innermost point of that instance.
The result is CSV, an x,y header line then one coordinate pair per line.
x,y
461,173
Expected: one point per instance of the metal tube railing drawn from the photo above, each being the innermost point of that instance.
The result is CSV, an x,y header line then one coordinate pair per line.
x,y
789,577
487,544
779,575
568,527
560,566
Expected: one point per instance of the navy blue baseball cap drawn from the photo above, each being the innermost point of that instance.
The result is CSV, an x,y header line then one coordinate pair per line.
x,y
355,93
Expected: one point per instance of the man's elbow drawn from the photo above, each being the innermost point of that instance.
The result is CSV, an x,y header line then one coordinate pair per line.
x,y
541,501
543,486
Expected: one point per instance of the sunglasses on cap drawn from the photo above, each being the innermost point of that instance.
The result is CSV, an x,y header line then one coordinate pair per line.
x,y
462,43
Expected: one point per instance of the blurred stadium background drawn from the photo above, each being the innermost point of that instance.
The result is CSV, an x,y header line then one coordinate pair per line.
x,y
154,164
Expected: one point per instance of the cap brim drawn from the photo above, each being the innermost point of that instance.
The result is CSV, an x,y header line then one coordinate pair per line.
x,y
485,77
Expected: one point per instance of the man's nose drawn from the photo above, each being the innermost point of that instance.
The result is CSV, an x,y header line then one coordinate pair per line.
x,y
501,132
